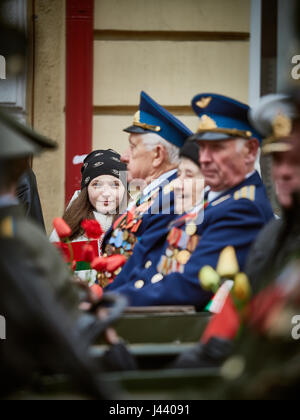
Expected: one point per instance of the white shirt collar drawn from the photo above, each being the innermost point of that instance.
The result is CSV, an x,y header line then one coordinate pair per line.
x,y
212,195
250,174
157,182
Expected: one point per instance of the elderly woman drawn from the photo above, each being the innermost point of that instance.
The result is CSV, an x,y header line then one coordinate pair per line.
x,y
103,197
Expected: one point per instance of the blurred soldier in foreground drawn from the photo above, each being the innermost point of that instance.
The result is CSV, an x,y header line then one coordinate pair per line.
x,y
269,348
46,332
265,362
276,117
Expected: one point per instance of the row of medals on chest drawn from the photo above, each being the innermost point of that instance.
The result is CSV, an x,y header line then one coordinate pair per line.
x,y
124,235
190,243
105,278
122,242
120,239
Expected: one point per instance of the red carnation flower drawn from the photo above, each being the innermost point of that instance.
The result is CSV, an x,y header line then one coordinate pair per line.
x,y
99,264
114,262
62,228
92,228
88,253
97,291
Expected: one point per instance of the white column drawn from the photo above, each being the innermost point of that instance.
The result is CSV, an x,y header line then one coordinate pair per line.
x,y
255,52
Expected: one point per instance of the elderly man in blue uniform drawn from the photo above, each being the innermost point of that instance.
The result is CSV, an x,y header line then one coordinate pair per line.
x,y
155,138
236,210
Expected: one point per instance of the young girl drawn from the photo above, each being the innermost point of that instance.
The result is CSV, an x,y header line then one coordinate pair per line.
x,y
103,197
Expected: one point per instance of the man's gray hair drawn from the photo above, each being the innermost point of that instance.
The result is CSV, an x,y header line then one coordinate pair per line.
x,y
151,140
239,144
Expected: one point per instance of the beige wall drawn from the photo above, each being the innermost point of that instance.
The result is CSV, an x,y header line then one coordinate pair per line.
x,y
173,15
170,71
173,72
49,101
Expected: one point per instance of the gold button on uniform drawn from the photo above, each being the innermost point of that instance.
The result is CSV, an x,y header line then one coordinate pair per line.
x,y
139,284
157,278
148,264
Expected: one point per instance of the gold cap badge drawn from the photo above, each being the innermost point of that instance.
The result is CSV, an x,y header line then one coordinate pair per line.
x,y
204,102
206,123
137,122
279,141
282,126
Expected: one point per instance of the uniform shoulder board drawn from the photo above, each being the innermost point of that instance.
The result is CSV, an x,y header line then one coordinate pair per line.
x,y
247,192
168,188
7,227
221,200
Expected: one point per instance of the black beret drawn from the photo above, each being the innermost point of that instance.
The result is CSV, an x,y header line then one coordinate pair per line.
x,y
191,151
103,162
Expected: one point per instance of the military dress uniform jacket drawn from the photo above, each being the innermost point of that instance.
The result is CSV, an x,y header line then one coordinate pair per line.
x,y
234,218
148,229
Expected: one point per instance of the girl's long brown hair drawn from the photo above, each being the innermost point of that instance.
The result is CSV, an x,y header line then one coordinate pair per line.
x,y
80,210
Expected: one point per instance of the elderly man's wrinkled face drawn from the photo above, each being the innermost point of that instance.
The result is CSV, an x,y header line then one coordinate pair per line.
x,y
286,172
225,164
138,159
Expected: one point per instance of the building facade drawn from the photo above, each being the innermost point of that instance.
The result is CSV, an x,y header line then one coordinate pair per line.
x,y
88,60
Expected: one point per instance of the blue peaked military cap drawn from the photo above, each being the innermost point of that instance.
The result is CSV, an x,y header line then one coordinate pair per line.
x,y
152,117
222,118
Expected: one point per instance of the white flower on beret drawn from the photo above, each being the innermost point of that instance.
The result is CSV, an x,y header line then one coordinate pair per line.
x,y
97,164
